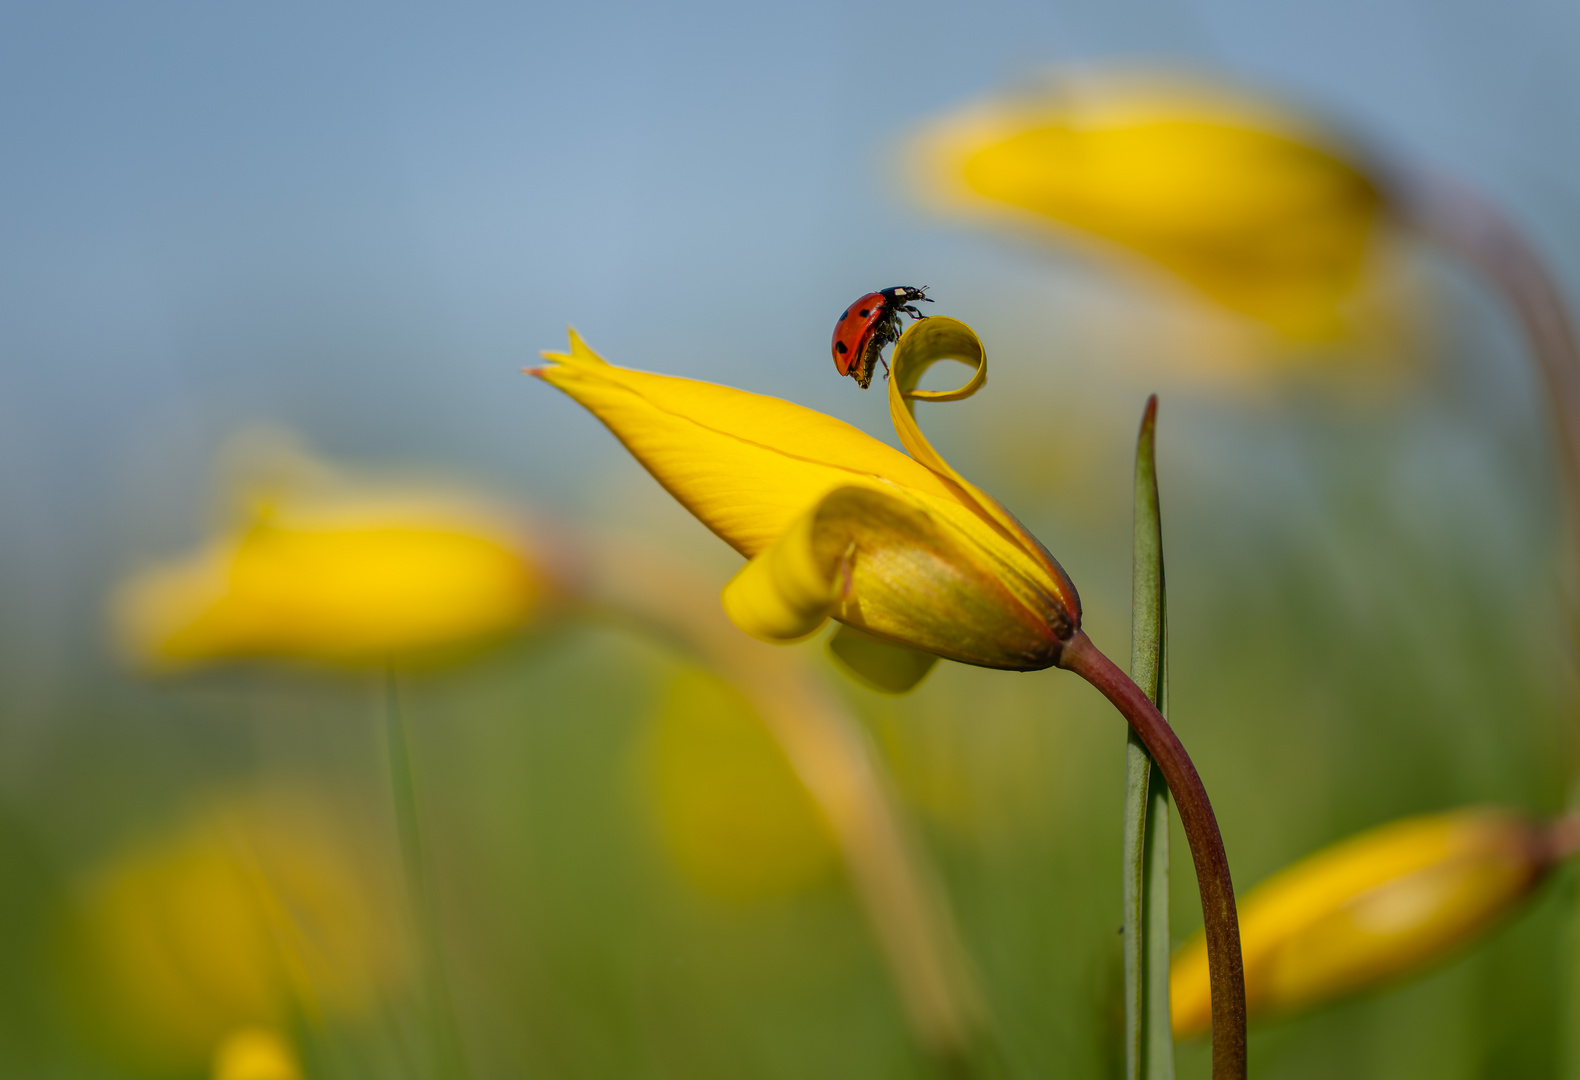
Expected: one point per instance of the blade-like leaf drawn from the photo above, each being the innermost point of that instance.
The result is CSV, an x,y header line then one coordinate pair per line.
x,y
1149,1044
448,1058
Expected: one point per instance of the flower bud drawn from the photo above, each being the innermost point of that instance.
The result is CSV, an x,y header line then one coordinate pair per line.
x,y
336,573
1368,910
885,566
836,524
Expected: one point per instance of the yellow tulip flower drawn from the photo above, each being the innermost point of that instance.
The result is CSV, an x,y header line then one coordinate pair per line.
x,y
834,522
1369,909
334,573
245,915
1255,206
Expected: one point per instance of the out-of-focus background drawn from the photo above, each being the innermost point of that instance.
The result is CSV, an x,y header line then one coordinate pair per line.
x,y
357,223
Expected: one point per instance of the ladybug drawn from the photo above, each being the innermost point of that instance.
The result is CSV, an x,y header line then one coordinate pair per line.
x,y
869,324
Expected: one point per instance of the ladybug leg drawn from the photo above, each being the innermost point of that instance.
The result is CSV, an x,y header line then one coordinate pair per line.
x,y
885,364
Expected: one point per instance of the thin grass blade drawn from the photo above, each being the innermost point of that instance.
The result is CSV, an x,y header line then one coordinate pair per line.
x,y
1149,1045
449,1060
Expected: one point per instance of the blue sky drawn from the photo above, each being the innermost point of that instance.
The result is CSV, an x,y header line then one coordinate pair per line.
x,y
360,220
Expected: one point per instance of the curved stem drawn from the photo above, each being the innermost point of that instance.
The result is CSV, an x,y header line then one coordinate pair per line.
x,y
1221,921
1468,224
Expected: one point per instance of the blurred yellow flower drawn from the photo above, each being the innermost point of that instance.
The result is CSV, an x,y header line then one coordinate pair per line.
x,y
1254,205
1369,909
730,811
331,572
254,1053
834,522
246,915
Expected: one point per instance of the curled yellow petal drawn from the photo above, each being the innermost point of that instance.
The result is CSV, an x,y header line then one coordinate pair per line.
x,y
927,343
1368,910
788,591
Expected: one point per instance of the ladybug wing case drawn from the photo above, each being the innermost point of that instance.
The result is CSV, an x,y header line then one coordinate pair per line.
x,y
853,333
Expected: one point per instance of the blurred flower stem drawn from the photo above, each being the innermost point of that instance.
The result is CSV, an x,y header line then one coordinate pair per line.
x,y
1465,222
449,1059
1206,844
1149,1039
1468,224
825,746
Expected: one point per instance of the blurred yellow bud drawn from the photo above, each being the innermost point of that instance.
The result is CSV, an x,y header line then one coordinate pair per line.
x,y
1369,909
730,810
255,1054
1254,205
837,524
339,574
243,916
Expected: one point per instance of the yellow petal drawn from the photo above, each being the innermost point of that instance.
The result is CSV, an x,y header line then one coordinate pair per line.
x,y
744,464
1367,910
879,665
1255,206
880,561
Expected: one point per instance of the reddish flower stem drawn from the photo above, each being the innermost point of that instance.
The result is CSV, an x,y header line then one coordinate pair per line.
x,y
1561,837
1206,847
1467,223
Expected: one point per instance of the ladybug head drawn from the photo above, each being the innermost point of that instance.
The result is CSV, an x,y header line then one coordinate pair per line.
x,y
905,294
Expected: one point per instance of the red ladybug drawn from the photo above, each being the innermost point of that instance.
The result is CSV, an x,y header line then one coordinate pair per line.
x,y
868,325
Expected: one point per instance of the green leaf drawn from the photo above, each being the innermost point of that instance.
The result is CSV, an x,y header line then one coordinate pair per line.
x,y
1149,1042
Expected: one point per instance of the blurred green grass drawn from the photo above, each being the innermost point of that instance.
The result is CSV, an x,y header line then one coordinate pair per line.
x,y
1352,642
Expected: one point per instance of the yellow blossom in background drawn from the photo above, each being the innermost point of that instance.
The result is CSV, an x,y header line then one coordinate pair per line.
x,y
1369,909
834,522
246,915
255,1054
730,811
331,571
1254,205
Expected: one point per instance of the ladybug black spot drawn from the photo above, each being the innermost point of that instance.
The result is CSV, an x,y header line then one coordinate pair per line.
x,y
841,348
845,316
865,312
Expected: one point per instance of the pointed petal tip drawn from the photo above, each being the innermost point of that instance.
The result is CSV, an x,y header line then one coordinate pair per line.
x,y
580,355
